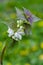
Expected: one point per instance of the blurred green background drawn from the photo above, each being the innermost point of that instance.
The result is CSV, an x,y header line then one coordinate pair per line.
x,y
28,51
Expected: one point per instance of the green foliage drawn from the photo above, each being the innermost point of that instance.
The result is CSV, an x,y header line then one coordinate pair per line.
x,y
28,51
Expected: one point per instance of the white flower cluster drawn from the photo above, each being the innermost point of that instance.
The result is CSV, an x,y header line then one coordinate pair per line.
x,y
16,35
19,22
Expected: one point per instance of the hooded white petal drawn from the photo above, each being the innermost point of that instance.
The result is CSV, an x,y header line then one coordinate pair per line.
x,y
17,36
10,32
20,14
21,33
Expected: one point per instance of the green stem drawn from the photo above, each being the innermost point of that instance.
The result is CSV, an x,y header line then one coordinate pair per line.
x,y
2,55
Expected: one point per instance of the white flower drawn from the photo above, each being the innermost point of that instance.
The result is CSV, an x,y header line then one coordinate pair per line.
x,y
21,31
10,32
17,36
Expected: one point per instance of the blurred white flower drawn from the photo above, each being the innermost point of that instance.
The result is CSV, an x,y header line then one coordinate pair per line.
x,y
21,31
17,36
10,32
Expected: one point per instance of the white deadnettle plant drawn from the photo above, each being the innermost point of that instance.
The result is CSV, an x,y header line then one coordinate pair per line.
x,y
21,19
18,34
